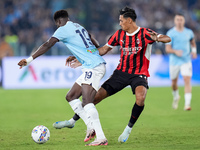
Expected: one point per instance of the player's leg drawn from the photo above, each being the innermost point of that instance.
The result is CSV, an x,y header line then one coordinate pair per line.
x,y
100,95
139,87
140,94
174,72
74,93
89,89
188,92
114,84
186,72
109,87
88,94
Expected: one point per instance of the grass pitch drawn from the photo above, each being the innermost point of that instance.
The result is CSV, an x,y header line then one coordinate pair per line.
x,y
158,128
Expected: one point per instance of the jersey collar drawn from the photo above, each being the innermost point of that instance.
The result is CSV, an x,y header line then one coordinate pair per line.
x,y
131,34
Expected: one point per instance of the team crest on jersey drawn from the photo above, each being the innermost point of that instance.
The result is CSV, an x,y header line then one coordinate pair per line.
x,y
138,40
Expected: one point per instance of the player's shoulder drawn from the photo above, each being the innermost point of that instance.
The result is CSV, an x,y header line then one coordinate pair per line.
x,y
120,31
188,29
146,30
171,30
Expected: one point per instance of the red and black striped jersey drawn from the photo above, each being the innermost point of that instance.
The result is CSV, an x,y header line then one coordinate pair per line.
x,y
135,50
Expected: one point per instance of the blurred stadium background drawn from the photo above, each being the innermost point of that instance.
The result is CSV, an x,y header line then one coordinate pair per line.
x,y
26,24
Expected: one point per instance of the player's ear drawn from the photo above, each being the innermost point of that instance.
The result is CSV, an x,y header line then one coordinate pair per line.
x,y
130,20
59,21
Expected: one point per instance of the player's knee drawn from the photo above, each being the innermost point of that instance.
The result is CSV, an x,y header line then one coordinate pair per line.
x,y
140,101
69,97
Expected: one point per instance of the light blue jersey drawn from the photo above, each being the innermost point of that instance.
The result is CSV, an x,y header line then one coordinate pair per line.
x,y
77,39
180,41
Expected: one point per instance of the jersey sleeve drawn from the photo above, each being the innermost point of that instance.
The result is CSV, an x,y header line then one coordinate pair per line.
x,y
60,34
148,36
113,40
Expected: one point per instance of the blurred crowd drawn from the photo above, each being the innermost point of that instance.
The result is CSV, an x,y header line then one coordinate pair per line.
x,y
26,24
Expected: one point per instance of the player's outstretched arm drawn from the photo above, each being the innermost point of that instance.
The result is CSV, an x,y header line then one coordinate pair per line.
x,y
103,50
94,41
41,50
159,37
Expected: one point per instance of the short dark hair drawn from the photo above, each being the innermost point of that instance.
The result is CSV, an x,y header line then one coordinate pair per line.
x,y
128,12
179,14
60,14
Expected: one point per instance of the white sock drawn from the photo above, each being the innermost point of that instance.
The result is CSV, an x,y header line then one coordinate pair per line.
x,y
78,109
72,121
188,97
128,129
175,94
93,114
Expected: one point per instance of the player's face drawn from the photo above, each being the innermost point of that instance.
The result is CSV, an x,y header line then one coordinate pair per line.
x,y
123,22
60,22
179,21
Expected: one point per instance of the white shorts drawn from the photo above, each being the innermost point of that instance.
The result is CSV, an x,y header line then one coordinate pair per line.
x,y
185,69
92,76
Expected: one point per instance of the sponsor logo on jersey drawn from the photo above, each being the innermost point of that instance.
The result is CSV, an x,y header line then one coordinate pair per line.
x,y
92,51
131,50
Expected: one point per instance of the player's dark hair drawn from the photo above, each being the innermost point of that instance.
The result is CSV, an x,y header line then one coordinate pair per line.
x,y
60,14
128,12
179,14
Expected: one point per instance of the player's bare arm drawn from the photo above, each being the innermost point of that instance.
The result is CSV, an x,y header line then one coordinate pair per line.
x,y
94,41
41,50
169,49
194,48
160,37
103,50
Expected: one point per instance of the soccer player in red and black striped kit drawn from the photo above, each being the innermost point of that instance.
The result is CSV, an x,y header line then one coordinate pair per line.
x,y
135,45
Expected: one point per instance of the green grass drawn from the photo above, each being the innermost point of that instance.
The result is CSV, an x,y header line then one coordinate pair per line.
x,y
158,128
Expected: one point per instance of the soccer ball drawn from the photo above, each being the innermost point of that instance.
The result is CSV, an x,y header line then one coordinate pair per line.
x,y
40,134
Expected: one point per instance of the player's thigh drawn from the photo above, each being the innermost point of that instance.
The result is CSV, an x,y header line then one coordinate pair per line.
x,y
93,76
74,93
186,69
100,95
114,84
174,72
139,80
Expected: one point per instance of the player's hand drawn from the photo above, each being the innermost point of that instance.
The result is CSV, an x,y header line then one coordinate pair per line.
x,y
72,62
194,55
154,36
178,53
69,59
75,63
22,63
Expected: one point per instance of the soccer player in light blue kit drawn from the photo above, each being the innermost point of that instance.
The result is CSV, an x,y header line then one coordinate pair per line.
x,y
181,47
77,39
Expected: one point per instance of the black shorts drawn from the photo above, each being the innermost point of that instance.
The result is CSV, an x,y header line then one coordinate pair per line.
x,y
120,80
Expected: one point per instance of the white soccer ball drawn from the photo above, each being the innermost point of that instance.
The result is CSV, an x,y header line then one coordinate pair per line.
x,y
40,134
